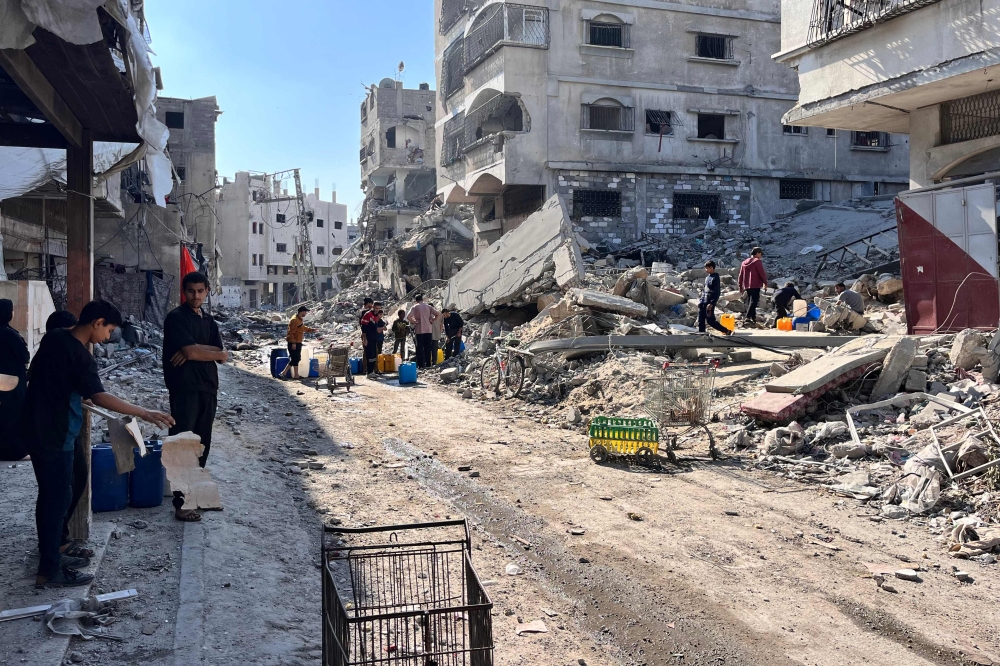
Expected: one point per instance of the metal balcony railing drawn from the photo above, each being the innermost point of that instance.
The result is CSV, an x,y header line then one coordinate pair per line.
x,y
833,19
451,11
974,117
453,67
506,25
454,135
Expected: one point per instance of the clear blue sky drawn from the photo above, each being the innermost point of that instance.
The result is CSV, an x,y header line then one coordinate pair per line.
x,y
289,76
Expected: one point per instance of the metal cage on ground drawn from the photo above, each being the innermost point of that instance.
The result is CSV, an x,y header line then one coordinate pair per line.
x,y
403,595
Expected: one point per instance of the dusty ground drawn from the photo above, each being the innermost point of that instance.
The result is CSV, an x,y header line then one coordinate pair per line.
x,y
726,566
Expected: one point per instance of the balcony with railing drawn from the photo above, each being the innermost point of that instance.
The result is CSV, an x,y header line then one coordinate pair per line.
x,y
505,24
833,19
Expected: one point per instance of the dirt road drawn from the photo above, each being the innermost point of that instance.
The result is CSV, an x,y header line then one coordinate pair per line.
x,y
718,564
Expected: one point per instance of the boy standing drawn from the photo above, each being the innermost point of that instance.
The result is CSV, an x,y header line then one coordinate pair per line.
x,y
400,329
453,325
62,375
192,347
297,330
371,327
706,307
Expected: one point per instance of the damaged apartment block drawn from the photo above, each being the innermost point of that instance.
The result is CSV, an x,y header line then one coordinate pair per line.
x,y
648,118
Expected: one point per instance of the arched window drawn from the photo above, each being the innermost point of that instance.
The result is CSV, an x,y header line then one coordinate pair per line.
x,y
608,30
609,115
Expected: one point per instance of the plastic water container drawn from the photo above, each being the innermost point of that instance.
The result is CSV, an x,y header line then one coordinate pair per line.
x,y
397,361
355,366
461,348
305,361
801,322
728,321
408,373
785,324
314,367
275,355
109,488
440,356
280,364
145,482
814,313
800,307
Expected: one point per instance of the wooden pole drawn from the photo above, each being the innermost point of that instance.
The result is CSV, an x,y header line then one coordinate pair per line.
x,y
79,282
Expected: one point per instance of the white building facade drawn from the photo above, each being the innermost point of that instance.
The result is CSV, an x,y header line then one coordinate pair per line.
x,y
259,234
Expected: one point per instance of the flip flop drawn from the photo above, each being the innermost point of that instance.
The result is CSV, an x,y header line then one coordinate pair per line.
x,y
78,551
187,515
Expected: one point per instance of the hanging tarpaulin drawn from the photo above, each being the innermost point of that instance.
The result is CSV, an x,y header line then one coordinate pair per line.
x,y
187,266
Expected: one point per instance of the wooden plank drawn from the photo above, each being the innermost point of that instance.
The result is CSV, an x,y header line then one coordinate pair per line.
x,y
812,376
33,83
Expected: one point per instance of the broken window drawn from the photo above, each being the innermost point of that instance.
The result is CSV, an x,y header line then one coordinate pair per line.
x,y
968,118
337,250
608,33
596,203
260,259
174,119
364,111
255,228
181,173
389,233
281,247
320,249
501,113
337,224
254,257
718,47
390,137
658,122
794,188
522,199
711,126
794,129
697,206
319,224
489,209
279,218
608,115
870,139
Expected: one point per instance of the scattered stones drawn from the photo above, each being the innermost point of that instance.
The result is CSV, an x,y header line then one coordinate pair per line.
x,y
907,574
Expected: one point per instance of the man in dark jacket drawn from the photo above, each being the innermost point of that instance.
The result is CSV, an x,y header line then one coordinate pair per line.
x,y
13,363
752,279
706,307
783,297
453,325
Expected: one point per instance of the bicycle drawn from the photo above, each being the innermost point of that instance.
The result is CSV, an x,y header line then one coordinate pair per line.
x,y
506,366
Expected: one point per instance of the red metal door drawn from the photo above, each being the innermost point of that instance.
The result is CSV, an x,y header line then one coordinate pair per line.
x,y
948,254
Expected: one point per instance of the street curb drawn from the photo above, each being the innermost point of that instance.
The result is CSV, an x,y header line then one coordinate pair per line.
x,y
188,630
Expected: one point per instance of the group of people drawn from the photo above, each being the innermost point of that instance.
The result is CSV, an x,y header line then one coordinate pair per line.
x,y
751,280
43,415
427,324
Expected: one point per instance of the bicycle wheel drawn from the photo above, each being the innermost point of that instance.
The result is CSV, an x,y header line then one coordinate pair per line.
x,y
489,375
515,376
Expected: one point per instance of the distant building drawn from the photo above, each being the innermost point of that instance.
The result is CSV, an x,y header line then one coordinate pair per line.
x,y
923,68
259,233
649,117
397,158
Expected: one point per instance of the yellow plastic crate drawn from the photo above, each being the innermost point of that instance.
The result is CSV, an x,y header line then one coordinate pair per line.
x,y
623,437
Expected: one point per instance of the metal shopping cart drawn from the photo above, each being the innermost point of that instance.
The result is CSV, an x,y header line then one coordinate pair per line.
x,y
681,397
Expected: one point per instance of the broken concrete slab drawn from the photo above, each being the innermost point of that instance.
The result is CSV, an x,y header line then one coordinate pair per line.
x,y
967,349
822,371
782,407
449,375
500,273
897,364
598,300
916,380
627,278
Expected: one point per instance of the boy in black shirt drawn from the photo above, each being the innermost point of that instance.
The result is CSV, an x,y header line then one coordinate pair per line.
x,y
706,308
400,329
62,375
783,297
192,347
453,325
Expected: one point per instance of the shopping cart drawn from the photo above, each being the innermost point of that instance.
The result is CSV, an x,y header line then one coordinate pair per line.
x,y
681,397
338,364
404,595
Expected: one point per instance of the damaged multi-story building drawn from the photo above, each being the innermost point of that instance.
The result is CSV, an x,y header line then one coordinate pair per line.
x,y
649,117
259,234
397,159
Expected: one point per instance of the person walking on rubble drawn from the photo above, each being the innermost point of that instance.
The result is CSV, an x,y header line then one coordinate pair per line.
x,y
423,316
752,279
192,348
297,330
62,375
709,297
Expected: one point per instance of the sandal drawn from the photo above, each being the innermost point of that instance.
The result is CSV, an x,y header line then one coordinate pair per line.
x,y
66,577
187,515
78,551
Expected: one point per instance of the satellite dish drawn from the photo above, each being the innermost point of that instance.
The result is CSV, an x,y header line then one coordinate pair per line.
x,y
402,66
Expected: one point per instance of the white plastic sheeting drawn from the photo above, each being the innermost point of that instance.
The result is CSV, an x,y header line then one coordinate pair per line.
x,y
72,20
24,169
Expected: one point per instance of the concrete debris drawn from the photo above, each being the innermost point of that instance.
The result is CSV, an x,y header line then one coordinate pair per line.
x,y
608,302
896,367
967,349
539,255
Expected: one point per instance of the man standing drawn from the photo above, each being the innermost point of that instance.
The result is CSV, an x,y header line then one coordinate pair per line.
x,y
365,309
14,363
453,325
853,299
752,279
783,297
423,316
192,347
437,335
371,327
62,375
709,297
297,330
